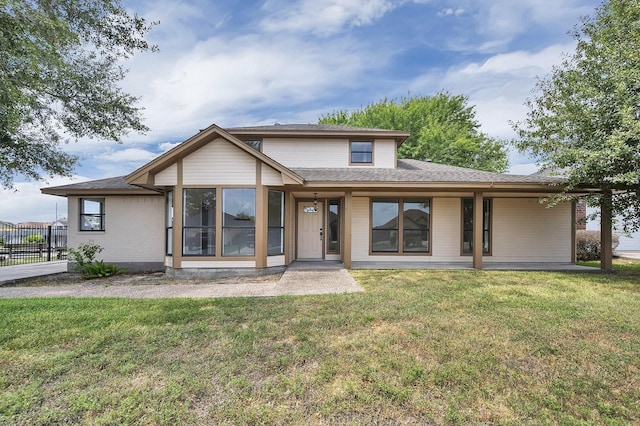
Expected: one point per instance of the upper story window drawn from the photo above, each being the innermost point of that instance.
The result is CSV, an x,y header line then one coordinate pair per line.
x,y
255,144
92,214
361,152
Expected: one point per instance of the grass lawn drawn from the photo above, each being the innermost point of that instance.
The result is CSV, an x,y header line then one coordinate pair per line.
x,y
443,347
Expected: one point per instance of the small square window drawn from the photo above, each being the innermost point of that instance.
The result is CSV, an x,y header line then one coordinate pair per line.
x,y
92,214
362,152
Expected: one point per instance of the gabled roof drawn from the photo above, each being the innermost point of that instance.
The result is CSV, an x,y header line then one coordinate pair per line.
x,y
108,186
317,130
142,175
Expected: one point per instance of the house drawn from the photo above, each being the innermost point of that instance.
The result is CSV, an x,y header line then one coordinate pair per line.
x,y
262,197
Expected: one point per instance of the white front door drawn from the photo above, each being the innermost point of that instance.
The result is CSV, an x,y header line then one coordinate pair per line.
x,y
310,232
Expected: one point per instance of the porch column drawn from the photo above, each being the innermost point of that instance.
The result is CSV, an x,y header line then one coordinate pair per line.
x,y
477,230
606,234
262,212
177,219
348,207
289,227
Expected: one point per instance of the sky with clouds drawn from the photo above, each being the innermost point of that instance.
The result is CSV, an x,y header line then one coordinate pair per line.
x,y
245,62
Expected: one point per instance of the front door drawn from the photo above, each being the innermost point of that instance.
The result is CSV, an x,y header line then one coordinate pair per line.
x,y
310,231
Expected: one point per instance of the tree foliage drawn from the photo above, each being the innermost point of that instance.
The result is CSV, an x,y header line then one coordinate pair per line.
x,y
60,63
585,120
443,129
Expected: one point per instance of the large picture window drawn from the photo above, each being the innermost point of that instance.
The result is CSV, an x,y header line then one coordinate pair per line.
x,y
238,222
406,233
384,235
467,226
92,214
275,238
362,152
199,222
415,226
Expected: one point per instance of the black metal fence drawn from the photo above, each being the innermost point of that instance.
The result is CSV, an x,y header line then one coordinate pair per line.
x,y
30,244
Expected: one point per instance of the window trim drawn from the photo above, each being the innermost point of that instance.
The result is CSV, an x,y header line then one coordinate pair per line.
x,y
101,215
361,163
400,251
489,251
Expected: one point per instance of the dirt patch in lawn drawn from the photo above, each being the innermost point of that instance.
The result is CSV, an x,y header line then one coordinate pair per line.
x,y
155,278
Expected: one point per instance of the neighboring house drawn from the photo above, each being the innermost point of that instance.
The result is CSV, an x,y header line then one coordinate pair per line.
x,y
260,197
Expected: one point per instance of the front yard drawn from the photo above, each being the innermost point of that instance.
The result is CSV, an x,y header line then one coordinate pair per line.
x,y
417,347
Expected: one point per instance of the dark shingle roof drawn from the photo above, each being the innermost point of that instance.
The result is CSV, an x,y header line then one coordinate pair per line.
x,y
100,186
408,171
416,171
108,183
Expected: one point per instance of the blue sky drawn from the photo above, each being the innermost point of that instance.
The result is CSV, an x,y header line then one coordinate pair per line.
x,y
241,62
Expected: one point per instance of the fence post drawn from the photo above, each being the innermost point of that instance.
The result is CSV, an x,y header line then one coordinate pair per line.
x,y
49,243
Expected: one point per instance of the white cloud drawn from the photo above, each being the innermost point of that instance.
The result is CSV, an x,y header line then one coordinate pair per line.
x,y
219,79
451,11
497,86
503,20
28,204
129,155
166,146
322,17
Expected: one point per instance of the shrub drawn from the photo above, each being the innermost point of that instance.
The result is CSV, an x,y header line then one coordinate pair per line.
x,y
588,244
1,241
88,266
85,254
33,239
99,269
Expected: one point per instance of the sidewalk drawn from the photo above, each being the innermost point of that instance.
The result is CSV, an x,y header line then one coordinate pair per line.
x,y
628,254
28,270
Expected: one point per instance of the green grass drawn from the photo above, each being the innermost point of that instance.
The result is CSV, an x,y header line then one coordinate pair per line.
x,y
441,347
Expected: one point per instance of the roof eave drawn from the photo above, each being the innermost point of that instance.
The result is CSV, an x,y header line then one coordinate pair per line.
x,y
476,186
392,134
62,192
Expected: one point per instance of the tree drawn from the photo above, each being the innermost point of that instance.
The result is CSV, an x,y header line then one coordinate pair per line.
x,y
443,129
585,120
60,62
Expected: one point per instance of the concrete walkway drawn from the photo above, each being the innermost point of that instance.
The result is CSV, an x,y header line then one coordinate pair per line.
x,y
296,280
630,254
28,270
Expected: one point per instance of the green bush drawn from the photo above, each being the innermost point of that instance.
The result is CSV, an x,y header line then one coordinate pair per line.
x,y
33,239
1,241
588,244
87,265
99,269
